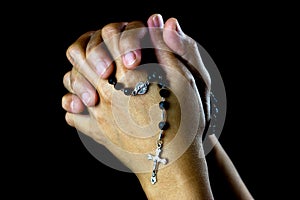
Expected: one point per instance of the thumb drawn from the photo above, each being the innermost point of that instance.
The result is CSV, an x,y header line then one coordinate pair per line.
x,y
85,125
162,51
186,47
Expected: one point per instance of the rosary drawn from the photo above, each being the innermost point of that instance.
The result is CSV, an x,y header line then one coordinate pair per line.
x,y
140,89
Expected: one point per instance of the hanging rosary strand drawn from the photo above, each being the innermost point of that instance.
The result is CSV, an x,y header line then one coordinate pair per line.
x,y
142,88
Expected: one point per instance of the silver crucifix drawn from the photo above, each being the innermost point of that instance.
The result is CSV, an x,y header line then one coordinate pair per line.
x,y
156,160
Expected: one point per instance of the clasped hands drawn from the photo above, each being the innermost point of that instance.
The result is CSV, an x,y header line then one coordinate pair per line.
x,y
118,48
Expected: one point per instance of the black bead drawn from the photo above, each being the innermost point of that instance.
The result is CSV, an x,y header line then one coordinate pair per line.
x,y
160,85
164,92
164,105
112,80
119,86
163,125
128,91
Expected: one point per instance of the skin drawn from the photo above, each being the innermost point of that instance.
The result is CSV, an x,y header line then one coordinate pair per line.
x,y
226,166
185,177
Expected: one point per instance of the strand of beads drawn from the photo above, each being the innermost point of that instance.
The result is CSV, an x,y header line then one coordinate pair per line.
x,y
163,125
142,88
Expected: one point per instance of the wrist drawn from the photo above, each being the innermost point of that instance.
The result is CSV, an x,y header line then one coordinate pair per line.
x,y
185,178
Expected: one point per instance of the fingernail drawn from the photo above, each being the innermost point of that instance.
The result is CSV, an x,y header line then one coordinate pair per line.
x,y
158,21
178,28
101,67
86,98
129,58
73,105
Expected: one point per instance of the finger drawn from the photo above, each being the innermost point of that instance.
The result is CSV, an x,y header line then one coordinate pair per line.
x,y
188,50
98,56
77,84
169,36
171,40
185,47
111,36
67,81
130,44
156,23
80,122
86,125
72,103
76,54
164,54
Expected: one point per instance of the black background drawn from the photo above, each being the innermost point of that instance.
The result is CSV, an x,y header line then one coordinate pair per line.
x,y
46,158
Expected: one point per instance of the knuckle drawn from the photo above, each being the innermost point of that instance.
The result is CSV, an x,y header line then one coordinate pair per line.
x,y
66,80
95,41
110,30
72,51
134,24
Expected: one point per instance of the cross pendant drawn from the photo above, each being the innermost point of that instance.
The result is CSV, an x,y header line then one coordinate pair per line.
x,y
156,160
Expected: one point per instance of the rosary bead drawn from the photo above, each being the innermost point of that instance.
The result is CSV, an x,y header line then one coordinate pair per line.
x,y
119,86
164,105
128,91
112,80
164,92
163,125
141,88
160,85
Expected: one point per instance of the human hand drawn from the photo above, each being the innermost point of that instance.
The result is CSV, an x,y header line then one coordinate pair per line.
x,y
188,113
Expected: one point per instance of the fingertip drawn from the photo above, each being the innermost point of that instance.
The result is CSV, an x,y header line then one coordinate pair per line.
x,y
108,71
67,102
129,58
155,21
88,98
69,119
173,24
64,102
73,104
94,99
174,36
132,59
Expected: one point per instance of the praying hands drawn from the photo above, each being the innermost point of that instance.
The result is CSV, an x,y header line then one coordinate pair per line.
x,y
150,114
